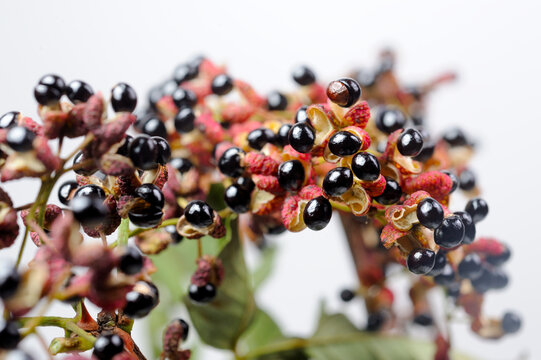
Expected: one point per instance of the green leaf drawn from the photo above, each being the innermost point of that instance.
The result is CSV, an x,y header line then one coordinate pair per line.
x,y
262,332
265,266
215,198
221,322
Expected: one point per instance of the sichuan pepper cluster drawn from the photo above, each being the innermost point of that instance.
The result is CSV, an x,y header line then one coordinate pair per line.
x,y
357,147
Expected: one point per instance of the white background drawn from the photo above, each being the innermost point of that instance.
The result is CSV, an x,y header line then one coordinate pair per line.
x,y
493,45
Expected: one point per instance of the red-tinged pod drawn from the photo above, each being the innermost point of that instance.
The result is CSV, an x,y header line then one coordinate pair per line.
x,y
210,127
249,94
210,270
235,113
390,235
486,245
209,69
9,229
436,183
201,88
310,192
268,183
317,93
75,125
31,125
93,112
292,210
54,123
358,115
51,213
166,107
45,154
376,187
115,165
260,164
110,223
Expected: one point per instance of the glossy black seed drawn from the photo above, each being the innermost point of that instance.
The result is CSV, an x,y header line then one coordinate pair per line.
x,y
423,319
230,162
347,295
453,178
301,137
202,294
154,95
46,95
199,214
511,323
246,183
446,277
450,233
151,194
237,198
430,213
418,118
344,143
123,149
365,166
337,181
453,289
169,87
301,115
182,165
9,280
131,261
185,72
391,194
154,127
500,259
498,279
107,346
53,81
344,92
123,98
9,335
470,267
410,142
175,236
9,119
185,329
390,119
66,191
184,98
79,91
317,213
291,175
90,190
276,230
222,84
455,137
147,217
143,152
421,261
276,101
20,139
375,321
85,170
88,210
303,75
469,227
260,137
141,300
477,208
164,150
184,120
439,263
466,180
282,136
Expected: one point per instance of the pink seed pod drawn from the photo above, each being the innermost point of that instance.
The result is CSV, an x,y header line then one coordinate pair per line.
x,y
124,185
93,112
209,69
210,270
310,192
162,175
436,183
65,236
172,339
45,155
249,94
109,224
390,235
31,125
166,107
235,113
51,213
486,245
376,187
292,209
268,183
210,127
357,115
53,123
317,93
9,229
109,134
115,165
75,125
260,164
201,88
218,231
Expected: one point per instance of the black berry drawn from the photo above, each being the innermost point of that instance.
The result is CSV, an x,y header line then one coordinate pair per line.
x,y
237,198
87,169
182,165
230,162
469,227
391,194
439,263
470,267
430,213
347,295
453,178
54,81
151,194
467,180
175,236
88,210
301,137
426,152
131,261
123,98
446,277
410,142
164,150
185,328
123,149
344,143
184,120
222,84
423,319
154,127
511,323
202,294
146,217
66,191
20,138
450,233
501,258
375,321
79,91
421,261
455,137
276,101
169,87
390,119
246,183
107,346
184,98
143,152
154,95
90,190
185,72
46,95
9,119
498,279
344,92
301,115
317,213
260,137
365,166
291,175
199,214
337,181
141,300
303,75
282,136
477,208
9,335
9,280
